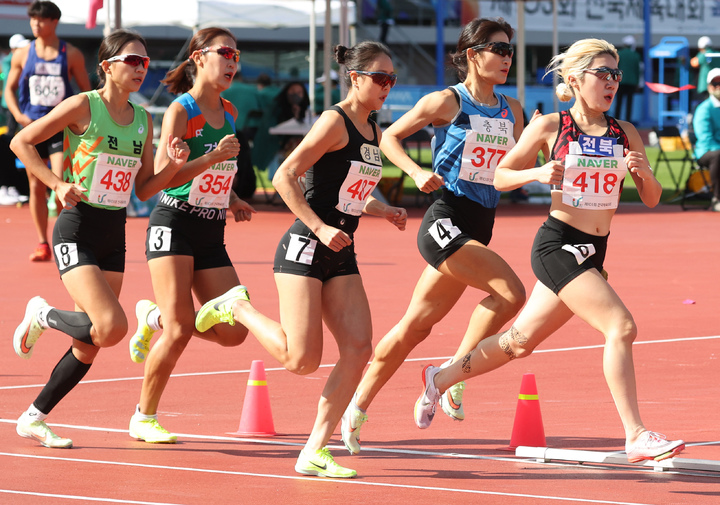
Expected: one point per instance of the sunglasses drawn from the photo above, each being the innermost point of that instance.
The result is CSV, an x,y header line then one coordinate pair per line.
x,y
715,83
133,60
605,73
380,78
226,52
500,48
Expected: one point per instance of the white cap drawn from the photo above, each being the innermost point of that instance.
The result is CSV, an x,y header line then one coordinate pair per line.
x,y
629,40
333,76
17,41
713,74
704,41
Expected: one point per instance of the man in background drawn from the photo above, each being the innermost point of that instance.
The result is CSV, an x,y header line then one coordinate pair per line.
x,y
40,74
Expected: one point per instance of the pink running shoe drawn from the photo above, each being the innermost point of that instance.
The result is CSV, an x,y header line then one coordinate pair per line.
x,y
651,445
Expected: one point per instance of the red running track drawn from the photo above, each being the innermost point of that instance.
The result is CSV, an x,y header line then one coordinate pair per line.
x,y
659,261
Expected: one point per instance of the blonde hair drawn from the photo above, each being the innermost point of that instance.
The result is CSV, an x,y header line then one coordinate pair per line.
x,y
575,61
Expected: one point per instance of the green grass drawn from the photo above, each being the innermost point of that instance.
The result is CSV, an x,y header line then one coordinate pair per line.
x,y
630,193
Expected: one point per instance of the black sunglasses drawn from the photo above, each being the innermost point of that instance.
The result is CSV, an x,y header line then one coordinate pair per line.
x,y
606,73
500,48
380,78
131,59
715,83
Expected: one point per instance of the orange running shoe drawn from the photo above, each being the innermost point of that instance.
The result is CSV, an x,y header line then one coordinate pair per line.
x,y
41,253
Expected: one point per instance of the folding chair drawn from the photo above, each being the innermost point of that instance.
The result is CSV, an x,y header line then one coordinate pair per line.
x,y
697,193
671,143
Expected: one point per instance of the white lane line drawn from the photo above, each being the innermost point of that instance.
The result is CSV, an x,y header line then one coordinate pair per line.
x,y
322,481
427,359
83,498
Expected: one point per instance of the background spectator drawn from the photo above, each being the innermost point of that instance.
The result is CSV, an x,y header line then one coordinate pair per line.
x,y
706,126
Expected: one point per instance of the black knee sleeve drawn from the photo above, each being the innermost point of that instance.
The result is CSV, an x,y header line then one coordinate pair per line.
x,y
64,377
75,324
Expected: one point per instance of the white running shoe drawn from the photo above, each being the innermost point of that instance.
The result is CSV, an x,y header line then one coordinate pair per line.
x,y
651,445
29,330
451,401
140,341
38,430
427,403
350,424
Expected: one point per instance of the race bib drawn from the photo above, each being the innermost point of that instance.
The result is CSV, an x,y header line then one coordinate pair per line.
x,y
360,181
580,251
113,179
592,182
67,255
443,231
46,90
159,238
212,187
486,143
301,249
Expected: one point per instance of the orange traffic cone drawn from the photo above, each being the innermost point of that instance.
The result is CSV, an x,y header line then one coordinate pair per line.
x,y
256,419
528,428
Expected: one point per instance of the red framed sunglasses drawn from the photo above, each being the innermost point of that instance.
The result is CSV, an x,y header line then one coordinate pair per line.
x,y
380,78
133,60
226,52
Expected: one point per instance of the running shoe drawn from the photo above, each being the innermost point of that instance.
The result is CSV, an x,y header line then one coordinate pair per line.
x,y
140,341
41,253
322,464
150,431
219,310
29,330
427,403
352,420
451,401
651,445
39,431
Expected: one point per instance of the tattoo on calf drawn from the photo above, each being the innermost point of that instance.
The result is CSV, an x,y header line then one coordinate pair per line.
x,y
512,334
505,345
466,363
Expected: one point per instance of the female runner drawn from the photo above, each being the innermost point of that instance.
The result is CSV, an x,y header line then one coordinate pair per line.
x,y
569,249
185,238
108,145
474,129
316,272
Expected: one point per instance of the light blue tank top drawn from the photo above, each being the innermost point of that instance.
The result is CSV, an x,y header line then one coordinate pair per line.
x,y
449,143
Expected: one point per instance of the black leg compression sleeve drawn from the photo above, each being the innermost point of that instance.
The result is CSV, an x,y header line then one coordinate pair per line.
x,y
64,377
75,324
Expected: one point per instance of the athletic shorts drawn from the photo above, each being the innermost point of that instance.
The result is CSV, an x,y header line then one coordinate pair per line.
x,y
87,235
177,228
301,253
449,224
50,146
560,253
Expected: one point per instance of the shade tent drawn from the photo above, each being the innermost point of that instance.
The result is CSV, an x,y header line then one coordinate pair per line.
x,y
197,14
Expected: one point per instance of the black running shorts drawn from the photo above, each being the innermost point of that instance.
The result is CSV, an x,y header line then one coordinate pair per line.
x,y
301,253
87,235
560,253
177,228
50,146
450,223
